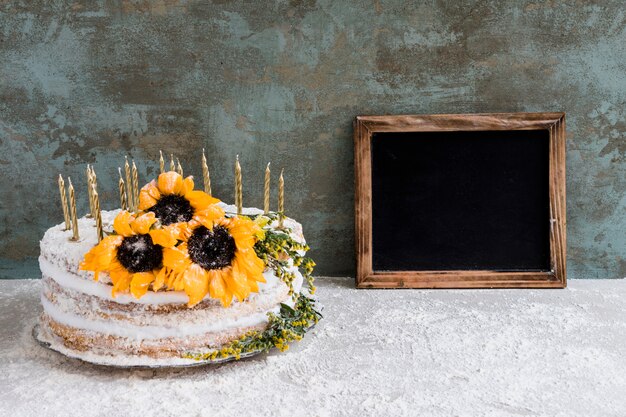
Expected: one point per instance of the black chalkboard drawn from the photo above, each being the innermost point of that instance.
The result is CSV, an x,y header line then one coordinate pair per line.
x,y
460,200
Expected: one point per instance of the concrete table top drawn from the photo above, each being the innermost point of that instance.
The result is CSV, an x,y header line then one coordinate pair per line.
x,y
376,352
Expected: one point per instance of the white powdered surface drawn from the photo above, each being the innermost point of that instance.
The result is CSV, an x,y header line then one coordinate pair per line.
x,y
375,353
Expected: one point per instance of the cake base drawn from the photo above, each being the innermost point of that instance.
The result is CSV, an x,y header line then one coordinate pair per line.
x,y
53,342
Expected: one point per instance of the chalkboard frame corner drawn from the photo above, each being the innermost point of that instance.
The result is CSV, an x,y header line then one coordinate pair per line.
x,y
366,126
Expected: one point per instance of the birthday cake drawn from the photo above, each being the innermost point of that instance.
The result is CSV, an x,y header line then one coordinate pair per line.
x,y
175,278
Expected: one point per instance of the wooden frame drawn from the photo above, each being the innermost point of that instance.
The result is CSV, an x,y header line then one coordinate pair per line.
x,y
366,126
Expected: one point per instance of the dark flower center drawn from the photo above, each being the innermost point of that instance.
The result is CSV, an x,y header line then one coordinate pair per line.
x,y
211,249
172,208
139,254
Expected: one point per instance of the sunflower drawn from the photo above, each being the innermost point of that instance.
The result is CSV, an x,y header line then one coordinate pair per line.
x,y
174,201
134,255
218,259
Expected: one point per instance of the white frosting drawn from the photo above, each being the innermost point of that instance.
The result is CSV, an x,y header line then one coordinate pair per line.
x,y
56,244
294,226
177,329
72,281
123,329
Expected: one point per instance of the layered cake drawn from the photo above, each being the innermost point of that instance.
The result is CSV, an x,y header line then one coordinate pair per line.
x,y
179,280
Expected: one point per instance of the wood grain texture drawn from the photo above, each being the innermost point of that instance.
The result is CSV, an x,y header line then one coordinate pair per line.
x,y
366,126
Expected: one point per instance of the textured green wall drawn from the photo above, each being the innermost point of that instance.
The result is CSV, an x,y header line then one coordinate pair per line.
x,y
90,82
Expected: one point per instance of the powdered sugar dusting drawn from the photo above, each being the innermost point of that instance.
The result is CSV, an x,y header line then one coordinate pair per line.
x,y
138,246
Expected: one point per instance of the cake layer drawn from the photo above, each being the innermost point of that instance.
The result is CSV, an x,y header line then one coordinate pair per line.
x,y
144,320
97,343
202,317
168,300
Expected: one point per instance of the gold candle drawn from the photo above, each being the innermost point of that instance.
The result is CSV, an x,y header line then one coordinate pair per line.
x,y
94,184
266,199
205,175
179,168
89,194
135,187
129,184
281,198
75,235
172,165
161,162
123,201
97,214
238,187
66,211
94,178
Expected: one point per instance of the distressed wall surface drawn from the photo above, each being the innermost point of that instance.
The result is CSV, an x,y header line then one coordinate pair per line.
x,y
90,82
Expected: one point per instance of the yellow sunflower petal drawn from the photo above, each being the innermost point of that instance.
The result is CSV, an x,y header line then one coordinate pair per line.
x,y
108,249
142,224
216,284
166,237
121,224
90,262
149,195
100,256
183,230
204,221
187,185
171,280
237,282
244,232
196,284
227,298
209,215
253,285
200,200
218,288
239,276
121,280
140,282
176,258
251,264
178,282
238,293
159,279
170,183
